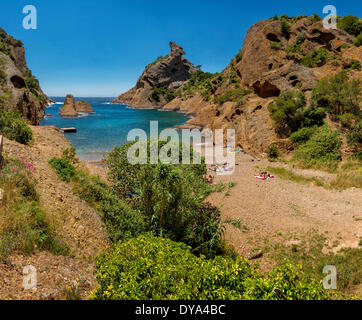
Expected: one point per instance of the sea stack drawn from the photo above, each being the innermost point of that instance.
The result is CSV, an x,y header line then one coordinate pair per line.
x,y
68,109
72,108
82,106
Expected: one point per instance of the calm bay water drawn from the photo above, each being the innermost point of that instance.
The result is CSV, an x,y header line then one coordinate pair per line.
x,y
98,133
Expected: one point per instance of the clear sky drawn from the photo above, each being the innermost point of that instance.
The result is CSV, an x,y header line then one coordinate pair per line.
x,y
100,47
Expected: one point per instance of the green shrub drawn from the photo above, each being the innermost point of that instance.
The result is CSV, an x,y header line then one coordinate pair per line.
x,y
171,198
355,134
149,268
317,58
356,65
338,95
273,153
275,45
315,18
287,111
14,127
350,24
347,119
157,92
322,149
284,27
313,116
63,168
234,95
203,82
239,57
302,135
24,227
121,220
358,41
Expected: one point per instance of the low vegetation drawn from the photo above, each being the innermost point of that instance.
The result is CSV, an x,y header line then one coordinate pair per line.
x,y
158,92
322,150
151,268
289,175
166,200
308,252
13,127
24,227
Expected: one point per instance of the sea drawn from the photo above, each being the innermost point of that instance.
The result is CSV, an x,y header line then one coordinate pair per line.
x,y
98,133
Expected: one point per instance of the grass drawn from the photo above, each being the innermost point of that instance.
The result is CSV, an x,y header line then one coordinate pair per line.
x,y
309,253
288,175
24,226
236,223
349,175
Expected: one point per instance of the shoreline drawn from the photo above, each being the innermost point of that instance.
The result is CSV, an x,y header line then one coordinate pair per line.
x,y
99,161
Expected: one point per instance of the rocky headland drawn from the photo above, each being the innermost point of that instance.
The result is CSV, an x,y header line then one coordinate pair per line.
x,y
273,59
19,89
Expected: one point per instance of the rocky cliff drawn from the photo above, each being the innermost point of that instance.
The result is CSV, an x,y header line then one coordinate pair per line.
x,y
158,82
19,89
278,54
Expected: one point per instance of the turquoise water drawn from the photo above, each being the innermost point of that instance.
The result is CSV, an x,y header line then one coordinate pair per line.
x,y
98,133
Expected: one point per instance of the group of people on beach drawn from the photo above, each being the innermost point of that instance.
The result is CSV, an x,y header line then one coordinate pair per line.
x,y
264,174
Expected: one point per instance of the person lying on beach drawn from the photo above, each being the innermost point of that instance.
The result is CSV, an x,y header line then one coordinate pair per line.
x,y
210,180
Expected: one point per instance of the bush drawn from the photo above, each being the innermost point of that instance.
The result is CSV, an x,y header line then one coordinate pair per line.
x,y
285,27
317,58
313,116
204,82
157,92
273,153
322,149
63,168
14,127
170,197
234,95
338,95
275,45
287,111
350,24
149,268
24,227
355,134
302,135
121,220
358,41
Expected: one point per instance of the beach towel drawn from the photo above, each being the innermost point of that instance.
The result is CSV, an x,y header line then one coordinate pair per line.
x,y
263,179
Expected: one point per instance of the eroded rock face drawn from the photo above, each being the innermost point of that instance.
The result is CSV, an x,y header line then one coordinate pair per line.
x,y
170,71
14,92
82,106
68,109
263,66
274,66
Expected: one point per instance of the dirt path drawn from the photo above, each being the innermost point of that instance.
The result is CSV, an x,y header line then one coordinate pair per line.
x,y
268,209
53,275
76,222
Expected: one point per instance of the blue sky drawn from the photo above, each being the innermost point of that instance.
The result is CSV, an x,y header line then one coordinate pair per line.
x,y
100,48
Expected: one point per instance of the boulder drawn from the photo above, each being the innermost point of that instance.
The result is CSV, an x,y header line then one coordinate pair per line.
x,y
68,109
82,106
